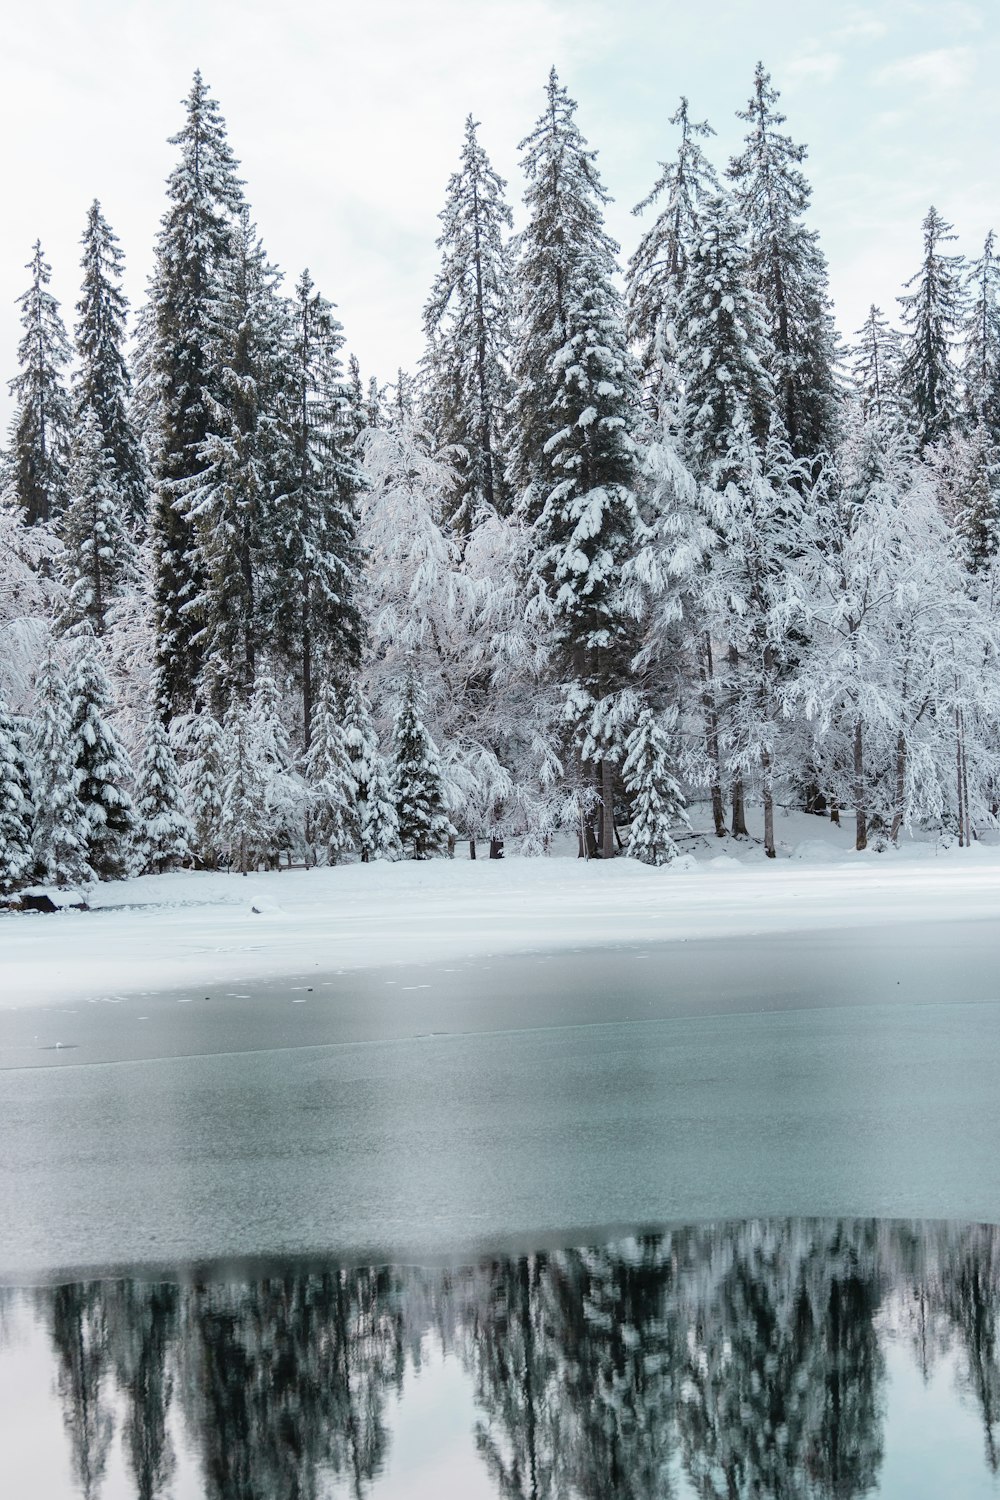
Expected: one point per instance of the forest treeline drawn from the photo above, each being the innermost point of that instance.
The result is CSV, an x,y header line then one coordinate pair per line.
x,y
601,553
748,1358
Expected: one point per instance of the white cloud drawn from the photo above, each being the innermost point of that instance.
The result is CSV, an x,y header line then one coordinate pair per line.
x,y
812,67
943,71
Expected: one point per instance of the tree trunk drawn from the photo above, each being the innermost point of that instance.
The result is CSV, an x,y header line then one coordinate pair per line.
x,y
765,762
965,785
898,813
958,767
608,850
472,848
496,847
834,810
740,829
712,739
860,810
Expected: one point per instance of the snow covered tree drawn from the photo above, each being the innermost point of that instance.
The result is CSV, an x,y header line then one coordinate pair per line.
x,y
417,782
787,270
61,827
657,802
875,367
102,385
244,823
981,357
103,771
16,810
312,595
375,819
232,502
98,553
656,270
40,428
179,329
163,829
203,778
330,785
467,321
574,406
932,317
284,795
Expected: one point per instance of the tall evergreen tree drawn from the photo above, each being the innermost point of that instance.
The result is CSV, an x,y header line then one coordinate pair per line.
x,y
981,359
16,811
163,832
40,428
103,771
932,317
787,270
418,785
331,788
98,553
467,321
875,367
232,502
102,384
193,247
575,404
244,791
656,270
376,822
313,597
61,828
203,776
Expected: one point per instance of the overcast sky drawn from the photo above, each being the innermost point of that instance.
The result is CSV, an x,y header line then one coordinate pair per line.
x,y
348,117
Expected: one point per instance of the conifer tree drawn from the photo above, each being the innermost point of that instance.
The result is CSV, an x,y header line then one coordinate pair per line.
x,y
232,502
163,829
787,270
331,789
376,822
981,361
313,598
192,249
61,828
40,428
283,791
932,317
103,771
417,783
102,384
875,366
16,811
98,553
203,778
467,321
657,269
657,802
244,791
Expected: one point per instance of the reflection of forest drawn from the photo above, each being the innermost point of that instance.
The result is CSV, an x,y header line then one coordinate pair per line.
x,y
749,1355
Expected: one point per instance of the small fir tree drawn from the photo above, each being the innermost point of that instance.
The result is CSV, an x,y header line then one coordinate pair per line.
x,y
875,367
203,780
283,789
932,317
98,553
331,788
61,827
163,827
981,359
244,791
16,811
376,822
418,785
657,802
39,434
103,771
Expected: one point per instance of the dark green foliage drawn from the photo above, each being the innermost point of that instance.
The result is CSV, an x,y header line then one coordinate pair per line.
x,y
40,429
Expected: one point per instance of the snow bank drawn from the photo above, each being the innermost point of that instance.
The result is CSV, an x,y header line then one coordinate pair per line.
x,y
189,929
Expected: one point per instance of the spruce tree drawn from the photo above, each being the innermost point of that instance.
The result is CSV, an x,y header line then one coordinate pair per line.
x,y
981,359
99,557
180,326
38,462
103,771
375,819
331,789
657,802
932,318
575,404
313,598
163,829
657,269
244,791
102,385
203,780
16,811
233,501
787,270
467,321
875,367
61,828
417,783
282,790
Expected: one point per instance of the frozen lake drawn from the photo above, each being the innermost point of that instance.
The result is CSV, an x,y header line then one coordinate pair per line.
x,y
435,1112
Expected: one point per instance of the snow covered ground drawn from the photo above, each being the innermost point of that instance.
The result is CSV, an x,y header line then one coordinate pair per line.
x,y
190,929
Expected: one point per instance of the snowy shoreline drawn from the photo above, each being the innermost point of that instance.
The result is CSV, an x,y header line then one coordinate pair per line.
x,y
187,929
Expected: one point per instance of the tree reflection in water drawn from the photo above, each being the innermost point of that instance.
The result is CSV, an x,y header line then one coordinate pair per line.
x,y
748,1358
